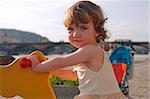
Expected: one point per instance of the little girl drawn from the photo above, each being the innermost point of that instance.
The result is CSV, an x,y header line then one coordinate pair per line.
x,y
85,24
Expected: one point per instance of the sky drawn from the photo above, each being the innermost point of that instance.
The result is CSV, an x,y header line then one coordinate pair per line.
x,y
127,19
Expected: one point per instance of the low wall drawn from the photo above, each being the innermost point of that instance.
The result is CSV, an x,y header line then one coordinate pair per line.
x,y
63,92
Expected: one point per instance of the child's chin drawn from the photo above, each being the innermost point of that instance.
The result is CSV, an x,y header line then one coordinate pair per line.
x,y
79,45
76,46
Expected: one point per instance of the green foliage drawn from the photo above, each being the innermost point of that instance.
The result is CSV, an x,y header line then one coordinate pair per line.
x,y
69,83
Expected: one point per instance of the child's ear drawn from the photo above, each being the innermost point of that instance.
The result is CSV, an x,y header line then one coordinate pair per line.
x,y
98,36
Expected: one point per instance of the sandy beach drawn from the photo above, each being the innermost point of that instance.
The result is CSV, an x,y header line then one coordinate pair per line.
x,y
139,85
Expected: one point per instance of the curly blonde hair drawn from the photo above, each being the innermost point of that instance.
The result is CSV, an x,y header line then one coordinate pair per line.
x,y
84,12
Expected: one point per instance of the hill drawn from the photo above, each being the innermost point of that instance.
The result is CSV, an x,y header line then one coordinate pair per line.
x,y
18,36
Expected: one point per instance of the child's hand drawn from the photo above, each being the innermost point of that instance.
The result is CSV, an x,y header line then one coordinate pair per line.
x,y
29,61
34,60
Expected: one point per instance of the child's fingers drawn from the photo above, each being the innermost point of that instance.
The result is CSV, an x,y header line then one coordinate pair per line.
x,y
34,60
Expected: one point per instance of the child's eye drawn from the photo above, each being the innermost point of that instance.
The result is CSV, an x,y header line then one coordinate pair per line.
x,y
70,30
84,27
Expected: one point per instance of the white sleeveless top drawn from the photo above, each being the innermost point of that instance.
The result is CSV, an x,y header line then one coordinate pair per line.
x,y
100,83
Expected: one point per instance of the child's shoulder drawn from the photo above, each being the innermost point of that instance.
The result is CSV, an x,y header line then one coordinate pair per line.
x,y
91,48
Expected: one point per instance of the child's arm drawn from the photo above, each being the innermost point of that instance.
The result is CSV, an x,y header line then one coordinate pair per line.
x,y
82,55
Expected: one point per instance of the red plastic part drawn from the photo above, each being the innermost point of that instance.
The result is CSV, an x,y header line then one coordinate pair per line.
x,y
25,63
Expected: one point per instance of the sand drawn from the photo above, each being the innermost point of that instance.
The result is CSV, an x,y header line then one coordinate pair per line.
x,y
139,85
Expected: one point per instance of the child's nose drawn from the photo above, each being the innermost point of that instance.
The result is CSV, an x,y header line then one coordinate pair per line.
x,y
76,34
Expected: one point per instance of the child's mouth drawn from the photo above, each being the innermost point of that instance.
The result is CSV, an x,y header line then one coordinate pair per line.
x,y
77,41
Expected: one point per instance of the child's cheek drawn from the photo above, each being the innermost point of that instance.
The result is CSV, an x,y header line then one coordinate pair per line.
x,y
70,38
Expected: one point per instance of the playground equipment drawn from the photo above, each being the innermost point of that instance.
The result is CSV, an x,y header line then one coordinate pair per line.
x,y
15,80
122,61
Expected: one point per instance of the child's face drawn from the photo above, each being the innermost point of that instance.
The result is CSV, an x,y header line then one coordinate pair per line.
x,y
82,34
